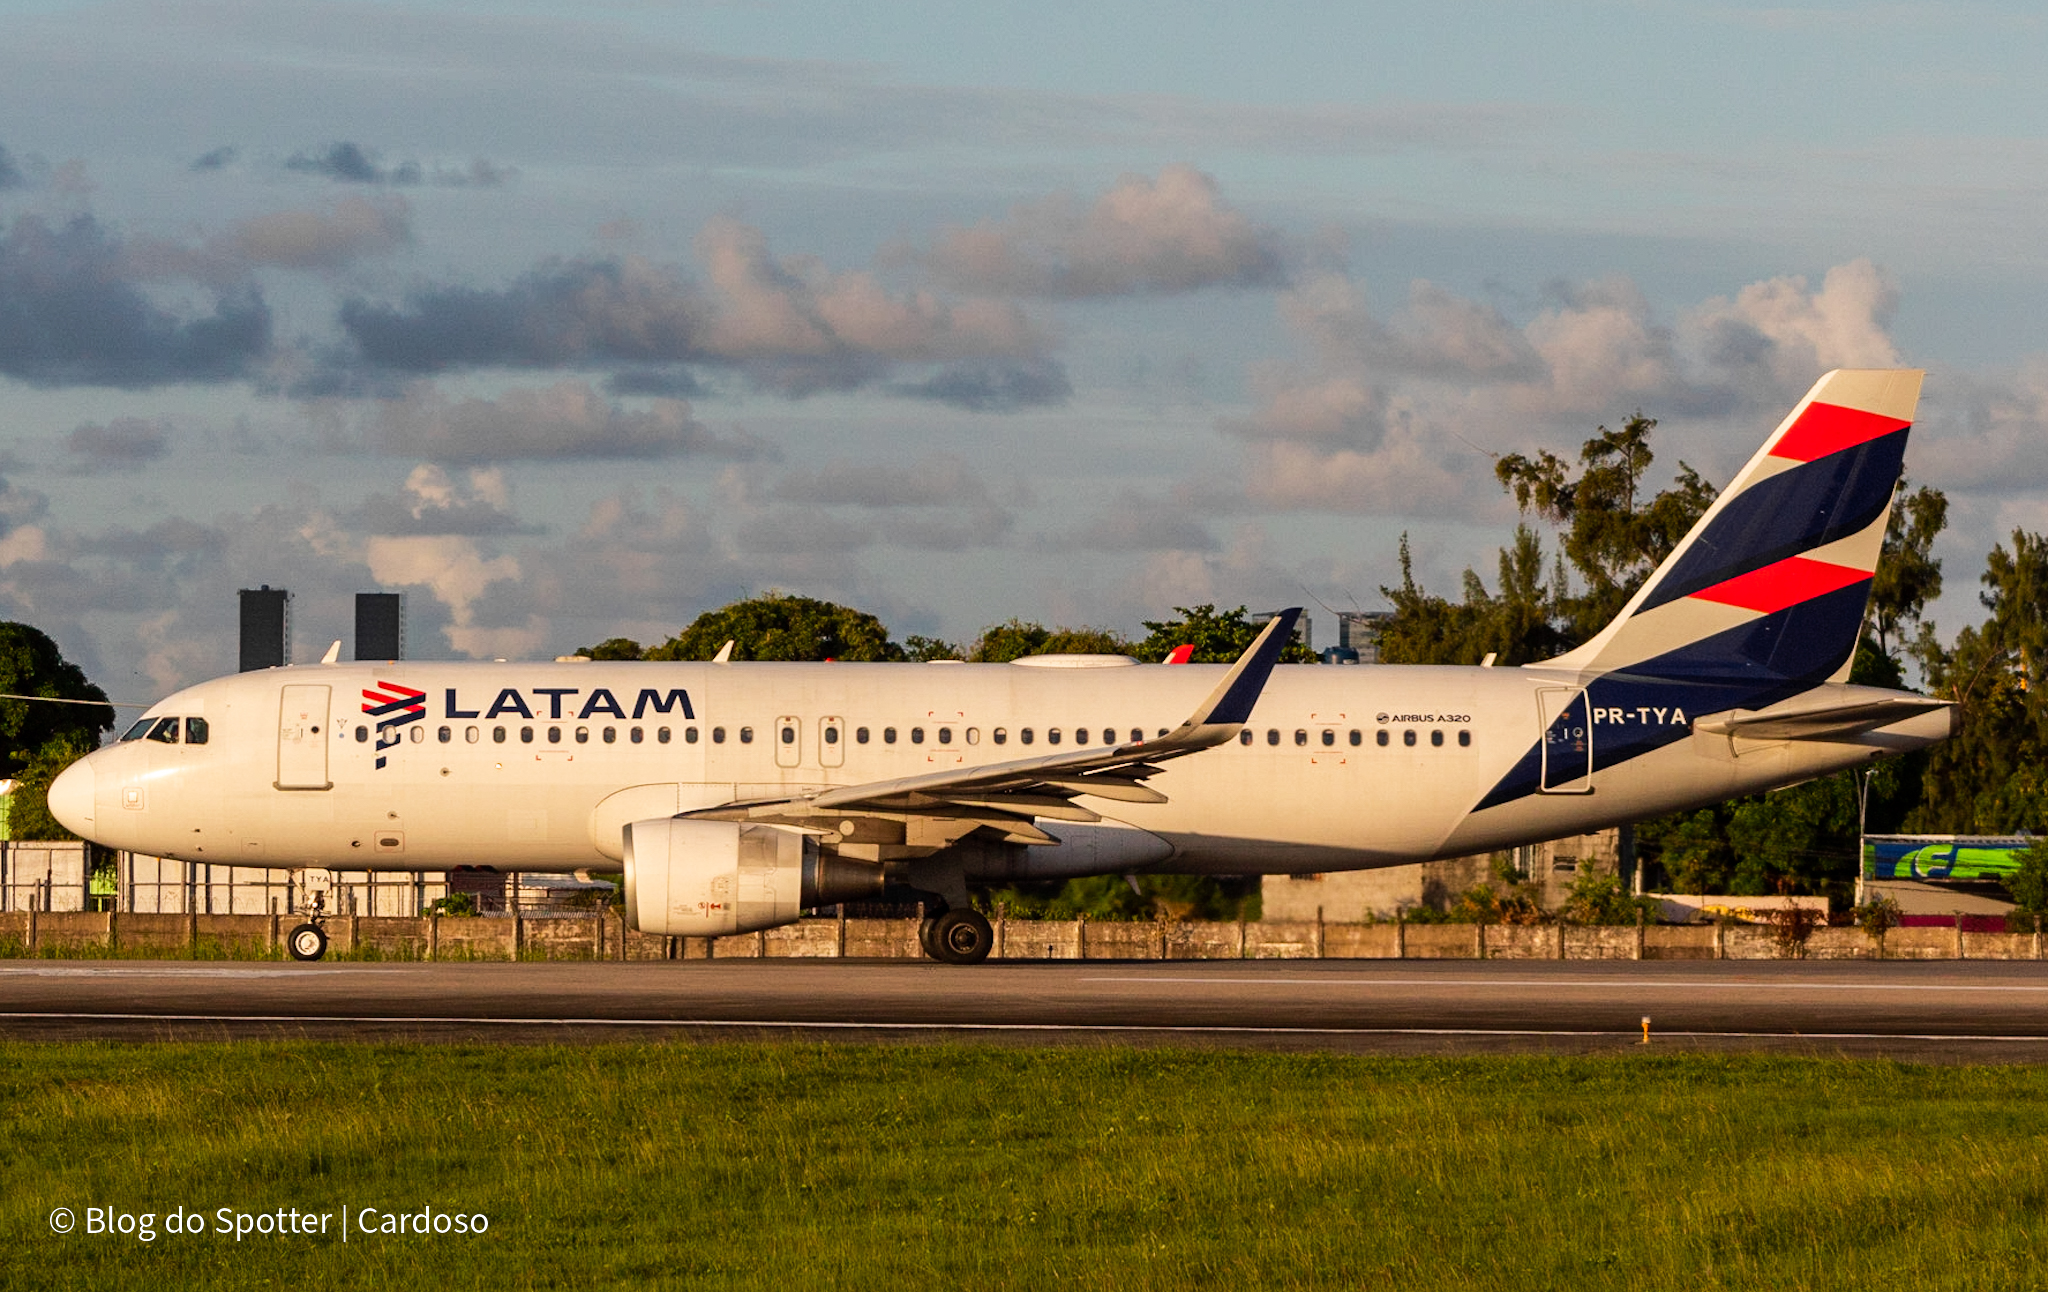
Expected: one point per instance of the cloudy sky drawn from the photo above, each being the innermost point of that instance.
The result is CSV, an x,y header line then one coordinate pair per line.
x,y
576,326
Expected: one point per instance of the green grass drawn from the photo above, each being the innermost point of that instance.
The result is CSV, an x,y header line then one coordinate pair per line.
x,y
793,1166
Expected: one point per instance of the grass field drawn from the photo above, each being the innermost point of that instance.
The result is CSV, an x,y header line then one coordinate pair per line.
x,y
793,1166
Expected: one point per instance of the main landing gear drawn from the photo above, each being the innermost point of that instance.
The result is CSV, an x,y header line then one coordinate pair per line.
x,y
959,936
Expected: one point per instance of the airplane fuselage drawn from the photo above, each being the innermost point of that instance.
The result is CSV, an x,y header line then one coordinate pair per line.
x,y
540,766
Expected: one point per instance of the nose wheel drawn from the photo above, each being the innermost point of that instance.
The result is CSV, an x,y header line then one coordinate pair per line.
x,y
307,942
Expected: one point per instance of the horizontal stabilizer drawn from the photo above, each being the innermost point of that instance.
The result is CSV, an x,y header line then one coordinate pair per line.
x,y
1826,713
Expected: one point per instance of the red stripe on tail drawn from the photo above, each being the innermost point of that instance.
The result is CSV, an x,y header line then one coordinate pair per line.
x,y
1785,583
1829,428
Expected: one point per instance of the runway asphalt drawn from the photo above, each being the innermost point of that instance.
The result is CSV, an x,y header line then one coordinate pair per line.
x,y
1942,1011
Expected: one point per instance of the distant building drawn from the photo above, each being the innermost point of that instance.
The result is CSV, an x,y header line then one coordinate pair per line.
x,y
380,625
266,628
1359,631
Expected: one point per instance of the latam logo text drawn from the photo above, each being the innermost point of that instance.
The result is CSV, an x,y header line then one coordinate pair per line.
x,y
1643,714
559,702
393,706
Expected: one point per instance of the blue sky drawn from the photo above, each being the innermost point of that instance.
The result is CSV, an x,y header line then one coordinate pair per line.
x,y
574,322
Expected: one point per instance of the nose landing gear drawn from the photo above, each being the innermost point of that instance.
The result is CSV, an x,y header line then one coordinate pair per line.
x,y
306,942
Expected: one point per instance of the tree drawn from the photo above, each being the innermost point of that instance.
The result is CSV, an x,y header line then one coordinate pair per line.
x,y
1612,538
1989,776
28,813
1908,574
1516,626
31,664
1016,638
780,626
613,648
2028,885
1218,637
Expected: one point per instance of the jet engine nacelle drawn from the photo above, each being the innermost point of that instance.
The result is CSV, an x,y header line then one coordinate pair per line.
x,y
709,878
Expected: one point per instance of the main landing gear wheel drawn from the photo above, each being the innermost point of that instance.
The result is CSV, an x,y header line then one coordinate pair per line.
x,y
961,937
307,942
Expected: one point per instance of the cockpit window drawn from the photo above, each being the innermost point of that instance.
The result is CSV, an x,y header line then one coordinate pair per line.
x,y
139,730
166,730
195,731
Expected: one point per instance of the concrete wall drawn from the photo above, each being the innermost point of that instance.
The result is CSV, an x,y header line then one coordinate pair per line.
x,y
585,937
1378,894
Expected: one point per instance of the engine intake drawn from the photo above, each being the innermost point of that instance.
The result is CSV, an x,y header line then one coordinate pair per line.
x,y
692,878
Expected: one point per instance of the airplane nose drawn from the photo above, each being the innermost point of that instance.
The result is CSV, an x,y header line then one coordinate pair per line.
x,y
71,797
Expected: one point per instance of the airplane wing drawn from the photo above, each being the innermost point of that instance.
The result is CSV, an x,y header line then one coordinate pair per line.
x,y
1007,795
1823,714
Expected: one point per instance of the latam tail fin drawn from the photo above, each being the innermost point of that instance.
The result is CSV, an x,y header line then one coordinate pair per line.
x,y
1767,593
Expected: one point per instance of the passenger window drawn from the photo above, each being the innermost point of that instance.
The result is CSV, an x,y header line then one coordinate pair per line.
x,y
1162,731
1025,735
419,735
611,735
1408,737
917,735
746,735
888,735
1272,736
831,735
1464,739
1437,738
1052,735
166,730
788,735
1000,735
1356,738
945,735
974,735
1300,736
1329,735
1244,737
446,734
860,735
195,731
1383,737
498,735
689,735
526,735
1137,735
140,729
554,735
362,735
469,735
636,735
717,735
661,735
582,735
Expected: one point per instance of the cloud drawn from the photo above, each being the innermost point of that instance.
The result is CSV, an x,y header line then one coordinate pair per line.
x,y
433,502
121,444
1397,414
788,324
941,480
10,174
1136,523
566,420
1165,235
72,313
993,387
350,163
351,229
218,159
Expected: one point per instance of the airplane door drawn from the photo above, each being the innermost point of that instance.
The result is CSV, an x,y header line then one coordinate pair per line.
x,y
789,741
1567,741
302,739
831,742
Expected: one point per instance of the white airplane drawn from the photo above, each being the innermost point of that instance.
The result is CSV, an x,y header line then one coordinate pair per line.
x,y
736,795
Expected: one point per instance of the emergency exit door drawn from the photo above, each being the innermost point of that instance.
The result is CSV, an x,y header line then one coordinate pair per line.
x,y
1567,741
302,738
